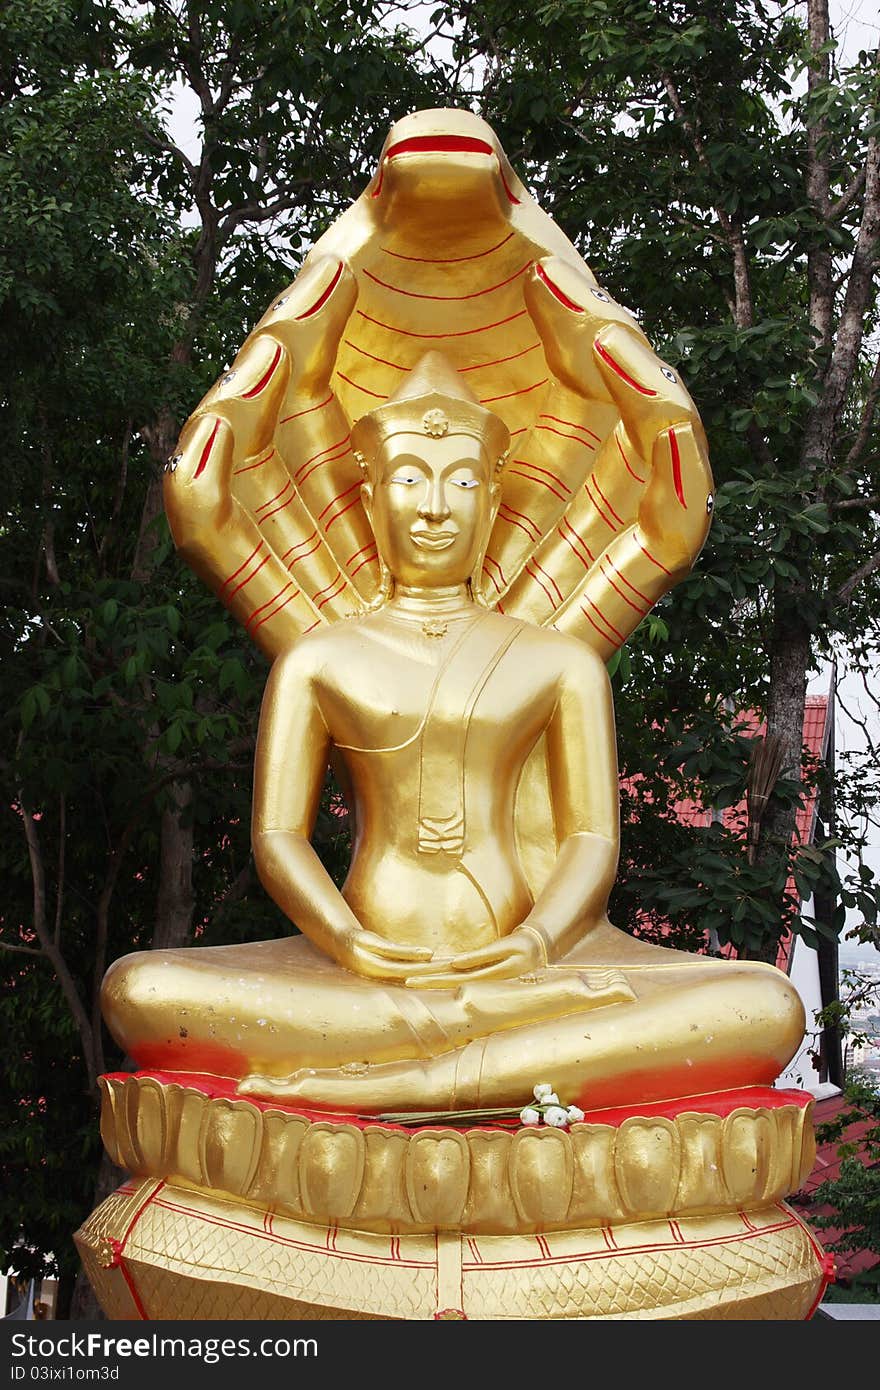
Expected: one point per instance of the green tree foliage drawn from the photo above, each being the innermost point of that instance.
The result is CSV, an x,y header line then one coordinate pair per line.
x,y
854,1195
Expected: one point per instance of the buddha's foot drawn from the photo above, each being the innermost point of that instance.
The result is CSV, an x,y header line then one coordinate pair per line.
x,y
279,1087
359,1086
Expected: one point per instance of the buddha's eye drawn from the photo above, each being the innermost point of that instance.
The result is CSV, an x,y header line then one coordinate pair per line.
x,y
465,482
407,479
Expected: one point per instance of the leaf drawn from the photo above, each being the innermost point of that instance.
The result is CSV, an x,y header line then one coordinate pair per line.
x,y
229,674
28,709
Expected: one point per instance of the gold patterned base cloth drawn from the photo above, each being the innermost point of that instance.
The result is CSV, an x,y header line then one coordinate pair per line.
x,y
254,1210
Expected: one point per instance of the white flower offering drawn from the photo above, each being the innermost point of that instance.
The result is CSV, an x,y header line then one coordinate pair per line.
x,y
548,1108
557,1117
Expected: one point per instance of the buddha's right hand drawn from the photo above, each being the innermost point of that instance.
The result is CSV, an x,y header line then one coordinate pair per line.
x,y
366,954
519,954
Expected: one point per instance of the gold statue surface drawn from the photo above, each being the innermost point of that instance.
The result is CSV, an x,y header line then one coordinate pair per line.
x,y
445,478
440,577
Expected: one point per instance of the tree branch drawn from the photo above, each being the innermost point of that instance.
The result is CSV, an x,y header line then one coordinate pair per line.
x,y
23,950
167,147
818,182
262,160
59,964
846,591
260,212
818,440
847,198
119,494
869,408
238,889
744,314
695,226
870,504
103,919
227,82
62,851
47,543
190,57
465,44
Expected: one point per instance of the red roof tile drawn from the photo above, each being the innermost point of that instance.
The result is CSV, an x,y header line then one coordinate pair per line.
x,y
736,818
827,1169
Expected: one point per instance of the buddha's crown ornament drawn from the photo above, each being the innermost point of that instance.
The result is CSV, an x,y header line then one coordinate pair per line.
x,y
434,401
436,423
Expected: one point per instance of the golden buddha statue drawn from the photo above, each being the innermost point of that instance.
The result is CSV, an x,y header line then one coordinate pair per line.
x,y
434,978
440,574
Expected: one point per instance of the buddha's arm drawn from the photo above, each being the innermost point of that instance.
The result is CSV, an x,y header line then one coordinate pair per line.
x,y
293,747
582,764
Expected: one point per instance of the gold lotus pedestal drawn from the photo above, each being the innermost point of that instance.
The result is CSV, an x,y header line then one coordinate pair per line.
x,y
256,1210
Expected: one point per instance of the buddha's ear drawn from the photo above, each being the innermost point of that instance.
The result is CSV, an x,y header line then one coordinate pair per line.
x,y
494,468
495,495
367,499
476,580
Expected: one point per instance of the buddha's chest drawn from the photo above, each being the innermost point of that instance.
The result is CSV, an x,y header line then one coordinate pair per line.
x,y
474,695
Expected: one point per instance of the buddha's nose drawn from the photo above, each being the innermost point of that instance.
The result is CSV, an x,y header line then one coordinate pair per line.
x,y
434,505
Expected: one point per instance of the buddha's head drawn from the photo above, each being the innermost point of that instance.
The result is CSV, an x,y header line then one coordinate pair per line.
x,y
431,456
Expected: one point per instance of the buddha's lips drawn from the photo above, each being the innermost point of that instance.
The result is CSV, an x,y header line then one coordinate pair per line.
x,y
442,144
433,540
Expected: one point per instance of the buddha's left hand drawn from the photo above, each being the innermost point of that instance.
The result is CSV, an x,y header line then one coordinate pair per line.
x,y
521,953
367,954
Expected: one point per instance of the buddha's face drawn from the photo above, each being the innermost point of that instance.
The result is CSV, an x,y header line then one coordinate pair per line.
x,y
431,503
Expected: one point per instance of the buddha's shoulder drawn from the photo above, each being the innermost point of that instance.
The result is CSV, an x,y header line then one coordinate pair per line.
x,y
330,644
563,653
312,651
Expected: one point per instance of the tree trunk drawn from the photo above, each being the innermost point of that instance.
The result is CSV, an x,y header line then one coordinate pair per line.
x,y
789,664
161,437
820,269
84,1305
824,906
142,565
175,899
